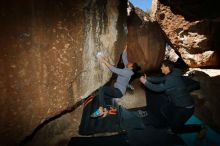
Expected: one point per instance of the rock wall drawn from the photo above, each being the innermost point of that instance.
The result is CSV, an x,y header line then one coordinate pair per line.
x,y
207,101
146,41
48,57
105,31
193,29
195,35
194,9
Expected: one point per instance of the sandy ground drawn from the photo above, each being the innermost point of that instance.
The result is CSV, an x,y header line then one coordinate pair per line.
x,y
134,98
210,72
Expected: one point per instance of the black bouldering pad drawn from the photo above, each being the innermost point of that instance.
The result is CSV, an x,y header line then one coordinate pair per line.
x,y
149,136
90,125
115,140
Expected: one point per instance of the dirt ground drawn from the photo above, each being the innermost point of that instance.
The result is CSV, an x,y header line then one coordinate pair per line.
x,y
134,98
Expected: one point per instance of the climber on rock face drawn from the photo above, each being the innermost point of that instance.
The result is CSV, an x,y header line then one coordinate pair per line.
x,y
120,86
